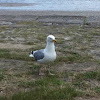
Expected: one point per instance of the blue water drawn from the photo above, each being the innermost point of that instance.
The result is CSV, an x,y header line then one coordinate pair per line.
x,y
55,5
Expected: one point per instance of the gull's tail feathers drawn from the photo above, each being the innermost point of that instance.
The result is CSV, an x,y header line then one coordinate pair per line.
x,y
31,54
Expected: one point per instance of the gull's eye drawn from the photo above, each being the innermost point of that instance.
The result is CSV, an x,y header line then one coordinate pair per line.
x,y
51,38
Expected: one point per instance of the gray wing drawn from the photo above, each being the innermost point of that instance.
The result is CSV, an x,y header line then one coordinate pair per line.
x,y
39,54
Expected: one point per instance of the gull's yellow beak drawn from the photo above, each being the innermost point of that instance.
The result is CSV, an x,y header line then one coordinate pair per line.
x,y
54,40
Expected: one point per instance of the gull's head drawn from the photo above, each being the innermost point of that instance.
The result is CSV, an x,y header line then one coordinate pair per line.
x,y
51,39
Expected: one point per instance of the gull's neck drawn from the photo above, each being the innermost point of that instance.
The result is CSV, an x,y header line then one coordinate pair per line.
x,y
50,47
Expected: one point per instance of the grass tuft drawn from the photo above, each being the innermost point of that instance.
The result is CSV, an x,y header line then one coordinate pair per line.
x,y
73,57
86,75
48,88
44,94
5,53
3,98
97,89
1,75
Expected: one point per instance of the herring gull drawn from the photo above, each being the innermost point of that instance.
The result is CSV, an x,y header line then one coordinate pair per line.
x,y
46,55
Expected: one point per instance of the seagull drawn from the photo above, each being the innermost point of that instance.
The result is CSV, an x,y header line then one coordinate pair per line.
x,y
47,55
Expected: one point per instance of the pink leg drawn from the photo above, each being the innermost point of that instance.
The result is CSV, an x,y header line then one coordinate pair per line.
x,y
41,73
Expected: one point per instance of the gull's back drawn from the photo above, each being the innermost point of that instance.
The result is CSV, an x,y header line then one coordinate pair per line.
x,y
38,54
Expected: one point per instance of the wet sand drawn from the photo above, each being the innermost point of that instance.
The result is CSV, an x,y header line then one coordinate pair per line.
x,y
15,4
44,13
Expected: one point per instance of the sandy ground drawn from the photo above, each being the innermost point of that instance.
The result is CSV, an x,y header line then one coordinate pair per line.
x,y
15,46
67,17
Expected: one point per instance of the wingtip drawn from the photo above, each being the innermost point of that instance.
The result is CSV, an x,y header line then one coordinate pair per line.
x,y
31,55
